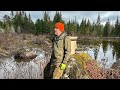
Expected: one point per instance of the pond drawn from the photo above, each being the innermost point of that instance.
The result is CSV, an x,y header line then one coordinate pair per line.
x,y
105,52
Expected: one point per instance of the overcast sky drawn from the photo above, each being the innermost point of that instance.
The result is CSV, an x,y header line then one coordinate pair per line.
x,y
70,15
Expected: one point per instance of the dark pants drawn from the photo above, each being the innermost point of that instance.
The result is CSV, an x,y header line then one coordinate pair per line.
x,y
48,71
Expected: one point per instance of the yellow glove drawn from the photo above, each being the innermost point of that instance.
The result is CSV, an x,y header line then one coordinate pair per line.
x,y
62,66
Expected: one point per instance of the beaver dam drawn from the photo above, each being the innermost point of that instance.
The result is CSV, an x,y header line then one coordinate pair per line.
x,y
29,69
24,56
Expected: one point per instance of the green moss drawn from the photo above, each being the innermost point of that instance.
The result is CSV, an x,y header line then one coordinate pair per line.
x,y
82,58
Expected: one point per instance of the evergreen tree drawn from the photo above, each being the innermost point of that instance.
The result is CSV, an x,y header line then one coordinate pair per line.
x,y
38,27
88,28
93,30
57,17
18,21
7,23
112,33
82,26
78,29
98,26
46,26
68,27
117,25
25,24
106,29
73,27
31,25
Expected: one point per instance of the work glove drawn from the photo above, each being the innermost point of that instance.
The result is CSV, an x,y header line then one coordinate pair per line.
x,y
62,66
58,72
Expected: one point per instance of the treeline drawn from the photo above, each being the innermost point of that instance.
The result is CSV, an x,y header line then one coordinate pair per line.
x,y
19,22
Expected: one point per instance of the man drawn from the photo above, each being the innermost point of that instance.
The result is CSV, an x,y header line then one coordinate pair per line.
x,y
61,51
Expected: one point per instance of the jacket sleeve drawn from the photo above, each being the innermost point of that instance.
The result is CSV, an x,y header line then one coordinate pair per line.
x,y
67,50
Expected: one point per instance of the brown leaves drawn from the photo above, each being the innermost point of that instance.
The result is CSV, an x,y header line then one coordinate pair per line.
x,y
93,70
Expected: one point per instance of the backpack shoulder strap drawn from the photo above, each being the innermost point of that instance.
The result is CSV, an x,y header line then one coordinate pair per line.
x,y
64,41
64,46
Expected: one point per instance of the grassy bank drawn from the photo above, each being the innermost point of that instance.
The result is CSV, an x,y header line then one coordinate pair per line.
x,y
11,43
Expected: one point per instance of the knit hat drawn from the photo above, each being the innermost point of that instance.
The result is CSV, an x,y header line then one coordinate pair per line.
x,y
60,26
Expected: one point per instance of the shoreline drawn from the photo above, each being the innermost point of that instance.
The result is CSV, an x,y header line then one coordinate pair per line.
x,y
98,38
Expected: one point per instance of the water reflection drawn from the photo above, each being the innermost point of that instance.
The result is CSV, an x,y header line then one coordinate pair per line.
x,y
105,47
105,52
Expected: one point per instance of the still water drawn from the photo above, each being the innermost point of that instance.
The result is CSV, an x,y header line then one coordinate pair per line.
x,y
105,52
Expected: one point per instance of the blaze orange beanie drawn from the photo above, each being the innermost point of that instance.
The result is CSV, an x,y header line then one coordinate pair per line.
x,y
60,26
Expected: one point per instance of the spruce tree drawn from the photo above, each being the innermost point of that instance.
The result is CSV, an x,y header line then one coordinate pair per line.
x,y
106,30
57,17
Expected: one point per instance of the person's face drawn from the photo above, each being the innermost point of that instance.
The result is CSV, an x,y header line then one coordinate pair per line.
x,y
57,31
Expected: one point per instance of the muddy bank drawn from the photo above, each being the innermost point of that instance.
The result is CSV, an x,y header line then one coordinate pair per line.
x,y
98,38
87,38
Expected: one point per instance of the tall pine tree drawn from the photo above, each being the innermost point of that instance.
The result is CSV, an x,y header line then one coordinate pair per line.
x,y
57,17
106,30
98,26
116,26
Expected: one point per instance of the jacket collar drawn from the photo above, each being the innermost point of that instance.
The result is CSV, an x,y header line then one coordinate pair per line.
x,y
62,35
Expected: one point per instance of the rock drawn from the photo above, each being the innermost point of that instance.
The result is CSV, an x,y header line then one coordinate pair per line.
x,y
81,66
73,70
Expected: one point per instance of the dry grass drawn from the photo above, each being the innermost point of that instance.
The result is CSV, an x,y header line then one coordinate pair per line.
x,y
13,42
